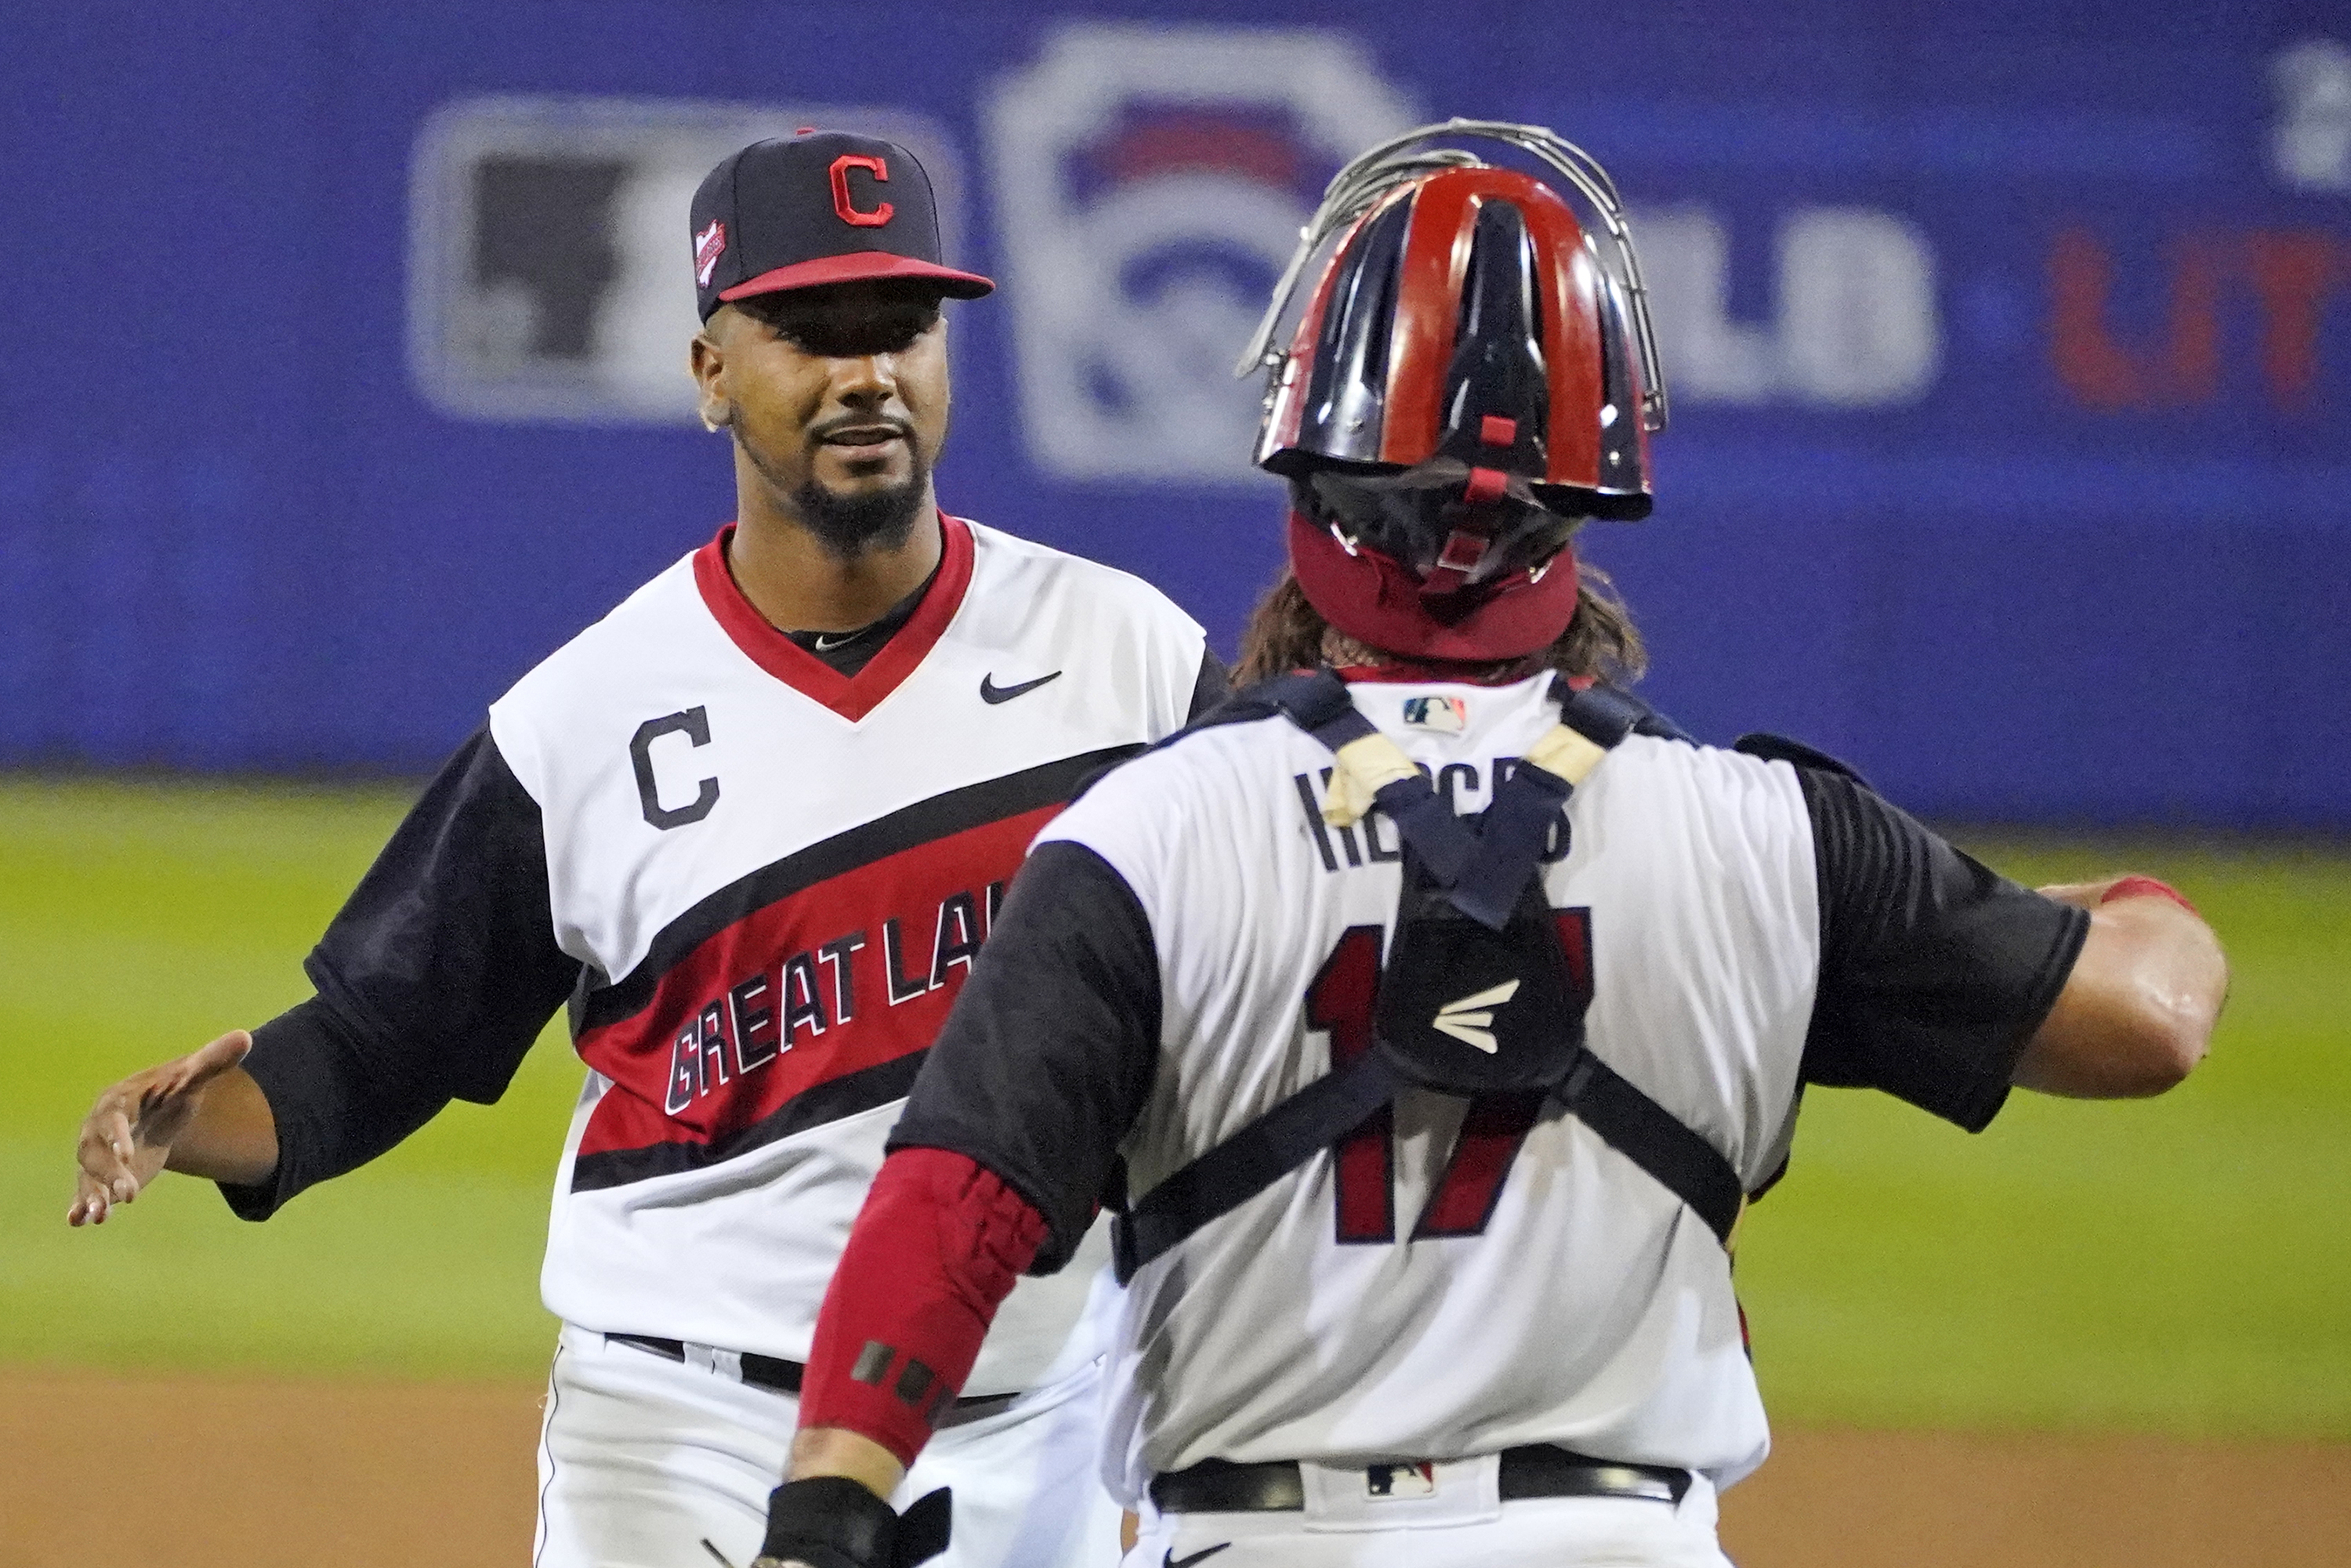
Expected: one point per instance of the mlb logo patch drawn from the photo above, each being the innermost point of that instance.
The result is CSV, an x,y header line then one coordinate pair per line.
x,y
1390,1483
1448,715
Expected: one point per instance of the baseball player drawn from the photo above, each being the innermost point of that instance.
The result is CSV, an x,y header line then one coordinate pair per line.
x,y
1434,1009
753,828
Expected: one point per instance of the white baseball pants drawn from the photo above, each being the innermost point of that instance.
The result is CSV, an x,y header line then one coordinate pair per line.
x,y
641,1458
1460,1523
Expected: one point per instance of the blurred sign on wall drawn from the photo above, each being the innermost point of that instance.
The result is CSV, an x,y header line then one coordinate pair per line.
x,y
2010,347
2310,149
548,237
1855,325
1149,184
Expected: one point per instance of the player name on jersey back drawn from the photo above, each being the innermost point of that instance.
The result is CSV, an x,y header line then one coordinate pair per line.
x,y
778,878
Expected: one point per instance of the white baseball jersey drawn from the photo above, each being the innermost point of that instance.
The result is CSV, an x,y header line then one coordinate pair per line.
x,y
1456,1277
761,882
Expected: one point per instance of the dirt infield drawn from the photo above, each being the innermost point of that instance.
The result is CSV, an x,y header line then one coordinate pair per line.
x,y
208,1473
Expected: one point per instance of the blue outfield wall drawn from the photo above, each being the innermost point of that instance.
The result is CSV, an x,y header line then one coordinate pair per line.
x,y
339,351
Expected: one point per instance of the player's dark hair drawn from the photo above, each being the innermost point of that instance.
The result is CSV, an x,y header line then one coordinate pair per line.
x,y
821,320
1286,632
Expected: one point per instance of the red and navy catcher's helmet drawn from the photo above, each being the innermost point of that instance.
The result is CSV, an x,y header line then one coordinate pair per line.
x,y
1466,385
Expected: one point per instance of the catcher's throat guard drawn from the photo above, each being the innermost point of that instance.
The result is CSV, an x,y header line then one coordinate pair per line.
x,y
1475,996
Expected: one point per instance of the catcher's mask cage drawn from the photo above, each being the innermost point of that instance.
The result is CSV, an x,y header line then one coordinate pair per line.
x,y
1466,383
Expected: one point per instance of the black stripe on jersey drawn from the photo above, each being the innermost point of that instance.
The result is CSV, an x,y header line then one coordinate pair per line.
x,y
972,806
834,1100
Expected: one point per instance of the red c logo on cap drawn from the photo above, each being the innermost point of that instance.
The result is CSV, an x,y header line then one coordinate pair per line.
x,y
840,203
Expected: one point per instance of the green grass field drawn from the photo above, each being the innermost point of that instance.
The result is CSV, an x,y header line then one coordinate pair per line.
x,y
2174,1266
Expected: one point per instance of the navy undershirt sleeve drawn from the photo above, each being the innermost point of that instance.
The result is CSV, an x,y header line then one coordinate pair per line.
x,y
1935,970
1051,1051
1213,684
432,983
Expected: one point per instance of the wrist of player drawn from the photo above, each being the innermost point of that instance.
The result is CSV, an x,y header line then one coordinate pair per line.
x,y
2113,890
833,1521
846,1452
2136,886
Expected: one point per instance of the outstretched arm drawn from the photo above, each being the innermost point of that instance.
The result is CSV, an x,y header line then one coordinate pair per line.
x,y
200,1114
2138,1009
433,982
1946,984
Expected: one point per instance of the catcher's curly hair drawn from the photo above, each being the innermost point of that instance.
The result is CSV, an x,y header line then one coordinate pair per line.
x,y
1286,632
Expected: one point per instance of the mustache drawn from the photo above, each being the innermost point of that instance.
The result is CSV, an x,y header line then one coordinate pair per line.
x,y
832,427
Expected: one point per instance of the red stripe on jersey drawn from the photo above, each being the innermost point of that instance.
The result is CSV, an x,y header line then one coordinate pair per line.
x,y
835,978
802,670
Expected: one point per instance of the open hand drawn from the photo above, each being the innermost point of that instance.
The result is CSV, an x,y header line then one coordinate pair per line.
x,y
128,1135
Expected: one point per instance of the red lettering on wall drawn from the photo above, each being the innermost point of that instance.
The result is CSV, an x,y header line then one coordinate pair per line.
x,y
2103,374
2089,363
2291,275
2191,360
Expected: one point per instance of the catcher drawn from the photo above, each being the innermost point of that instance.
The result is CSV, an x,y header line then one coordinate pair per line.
x,y
1434,1009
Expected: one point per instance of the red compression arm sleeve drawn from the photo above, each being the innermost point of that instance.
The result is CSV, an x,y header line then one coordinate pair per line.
x,y
937,1250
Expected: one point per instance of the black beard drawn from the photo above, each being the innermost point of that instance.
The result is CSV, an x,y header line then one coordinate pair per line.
x,y
849,526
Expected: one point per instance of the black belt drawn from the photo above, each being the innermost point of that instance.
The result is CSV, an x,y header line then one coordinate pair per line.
x,y
1217,1486
774,1372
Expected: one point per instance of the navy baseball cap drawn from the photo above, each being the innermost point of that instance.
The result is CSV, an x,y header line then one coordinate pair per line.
x,y
823,207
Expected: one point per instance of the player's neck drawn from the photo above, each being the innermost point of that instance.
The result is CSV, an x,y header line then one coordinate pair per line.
x,y
1360,661
800,584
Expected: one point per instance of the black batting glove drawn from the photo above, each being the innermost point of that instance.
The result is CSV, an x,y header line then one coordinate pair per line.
x,y
832,1522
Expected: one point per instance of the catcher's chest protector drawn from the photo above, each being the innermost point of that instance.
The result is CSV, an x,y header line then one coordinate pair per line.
x,y
1474,997
1466,1009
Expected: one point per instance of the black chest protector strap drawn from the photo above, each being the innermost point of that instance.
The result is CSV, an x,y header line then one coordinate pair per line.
x,y
1472,912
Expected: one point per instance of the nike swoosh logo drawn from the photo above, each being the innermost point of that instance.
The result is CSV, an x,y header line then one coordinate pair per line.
x,y
989,692
822,647
1172,1560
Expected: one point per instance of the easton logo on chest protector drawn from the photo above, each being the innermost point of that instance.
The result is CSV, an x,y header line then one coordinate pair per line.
x,y
1477,997
1470,1018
